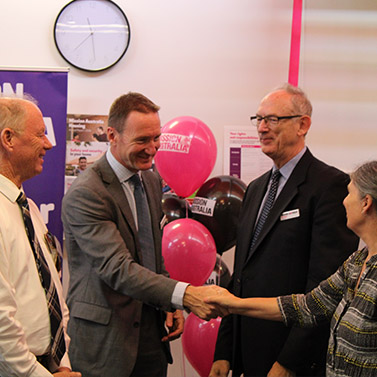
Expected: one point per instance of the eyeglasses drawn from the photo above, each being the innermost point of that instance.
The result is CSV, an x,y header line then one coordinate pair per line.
x,y
270,120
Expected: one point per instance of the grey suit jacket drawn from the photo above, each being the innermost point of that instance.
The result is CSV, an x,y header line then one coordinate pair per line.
x,y
108,284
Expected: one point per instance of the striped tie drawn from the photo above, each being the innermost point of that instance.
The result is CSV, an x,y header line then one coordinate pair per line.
x,y
266,207
57,348
144,224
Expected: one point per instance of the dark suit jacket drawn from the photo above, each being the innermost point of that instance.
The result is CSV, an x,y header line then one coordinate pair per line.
x,y
108,285
291,256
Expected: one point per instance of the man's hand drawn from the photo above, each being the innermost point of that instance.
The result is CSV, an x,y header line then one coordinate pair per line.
x,y
174,322
194,297
220,368
279,370
66,372
224,301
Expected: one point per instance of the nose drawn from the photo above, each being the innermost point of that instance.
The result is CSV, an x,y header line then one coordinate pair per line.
x,y
263,126
152,147
47,143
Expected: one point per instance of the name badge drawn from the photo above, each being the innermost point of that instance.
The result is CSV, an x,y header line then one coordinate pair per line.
x,y
290,214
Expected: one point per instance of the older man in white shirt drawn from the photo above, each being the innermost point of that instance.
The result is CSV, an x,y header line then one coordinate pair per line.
x,y
27,345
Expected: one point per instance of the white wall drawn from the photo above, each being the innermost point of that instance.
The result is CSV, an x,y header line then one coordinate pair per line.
x,y
339,73
215,59
210,59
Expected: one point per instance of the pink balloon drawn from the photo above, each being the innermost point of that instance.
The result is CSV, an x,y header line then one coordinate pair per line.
x,y
187,154
199,341
189,251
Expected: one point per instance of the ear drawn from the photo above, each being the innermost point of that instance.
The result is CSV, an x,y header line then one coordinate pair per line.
x,y
305,123
112,134
367,203
7,136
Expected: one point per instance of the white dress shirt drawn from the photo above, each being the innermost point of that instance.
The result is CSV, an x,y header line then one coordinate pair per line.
x,y
24,317
285,171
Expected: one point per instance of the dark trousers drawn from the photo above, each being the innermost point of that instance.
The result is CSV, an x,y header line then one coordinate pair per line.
x,y
151,356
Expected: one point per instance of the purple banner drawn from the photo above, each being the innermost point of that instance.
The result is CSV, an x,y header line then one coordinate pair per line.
x,y
49,88
235,162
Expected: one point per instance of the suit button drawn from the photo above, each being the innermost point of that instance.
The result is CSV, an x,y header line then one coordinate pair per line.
x,y
136,325
238,281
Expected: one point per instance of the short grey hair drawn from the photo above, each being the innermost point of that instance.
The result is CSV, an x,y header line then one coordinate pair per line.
x,y
13,112
300,101
365,180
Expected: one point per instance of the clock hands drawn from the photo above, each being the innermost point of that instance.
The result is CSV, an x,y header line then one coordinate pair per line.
x,y
91,33
90,26
86,38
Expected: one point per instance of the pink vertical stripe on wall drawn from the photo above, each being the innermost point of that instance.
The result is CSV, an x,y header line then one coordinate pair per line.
x,y
294,60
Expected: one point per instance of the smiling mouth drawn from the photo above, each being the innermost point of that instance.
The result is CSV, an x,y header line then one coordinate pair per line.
x,y
265,140
146,158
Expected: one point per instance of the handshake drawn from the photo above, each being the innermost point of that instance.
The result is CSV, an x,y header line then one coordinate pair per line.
x,y
207,302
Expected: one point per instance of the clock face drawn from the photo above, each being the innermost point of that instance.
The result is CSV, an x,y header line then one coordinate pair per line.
x,y
92,35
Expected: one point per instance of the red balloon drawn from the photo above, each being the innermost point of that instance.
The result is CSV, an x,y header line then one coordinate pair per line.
x,y
199,341
217,205
189,251
187,154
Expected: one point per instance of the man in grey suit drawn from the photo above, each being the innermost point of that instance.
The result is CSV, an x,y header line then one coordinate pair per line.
x,y
300,241
119,292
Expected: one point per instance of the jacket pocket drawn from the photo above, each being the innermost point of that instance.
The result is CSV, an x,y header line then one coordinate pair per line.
x,y
91,312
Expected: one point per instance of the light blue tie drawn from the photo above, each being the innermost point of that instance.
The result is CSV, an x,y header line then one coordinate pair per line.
x,y
144,224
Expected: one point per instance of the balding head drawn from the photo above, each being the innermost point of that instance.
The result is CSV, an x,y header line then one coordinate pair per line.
x,y
23,143
13,112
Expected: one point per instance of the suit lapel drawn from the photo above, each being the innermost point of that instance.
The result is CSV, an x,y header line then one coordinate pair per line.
x,y
250,211
289,191
115,189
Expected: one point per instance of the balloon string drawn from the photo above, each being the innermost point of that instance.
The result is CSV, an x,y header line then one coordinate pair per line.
x,y
220,264
186,202
183,362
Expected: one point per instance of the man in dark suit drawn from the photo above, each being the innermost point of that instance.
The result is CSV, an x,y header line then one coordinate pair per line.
x,y
288,248
119,288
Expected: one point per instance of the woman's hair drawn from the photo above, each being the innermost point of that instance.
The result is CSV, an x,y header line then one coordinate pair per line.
x,y
365,179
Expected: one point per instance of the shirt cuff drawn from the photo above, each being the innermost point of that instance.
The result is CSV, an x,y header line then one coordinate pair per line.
x,y
65,362
178,293
40,371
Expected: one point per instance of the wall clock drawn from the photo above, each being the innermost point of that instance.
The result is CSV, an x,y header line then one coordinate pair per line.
x,y
92,35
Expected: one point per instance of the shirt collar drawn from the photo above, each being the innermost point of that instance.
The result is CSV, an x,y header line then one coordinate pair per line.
x,y
9,189
122,173
287,169
372,260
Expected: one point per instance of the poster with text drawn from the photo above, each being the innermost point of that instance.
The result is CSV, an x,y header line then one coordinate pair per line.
x,y
243,157
86,142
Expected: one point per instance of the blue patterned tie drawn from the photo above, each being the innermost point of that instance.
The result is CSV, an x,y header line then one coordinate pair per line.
x,y
57,348
266,207
144,224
